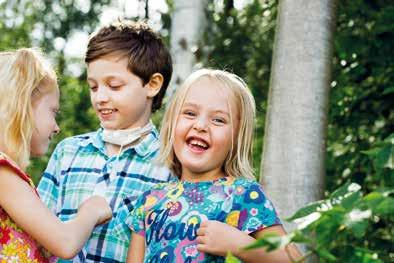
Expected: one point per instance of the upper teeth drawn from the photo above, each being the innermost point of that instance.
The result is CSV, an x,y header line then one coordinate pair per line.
x,y
199,143
106,111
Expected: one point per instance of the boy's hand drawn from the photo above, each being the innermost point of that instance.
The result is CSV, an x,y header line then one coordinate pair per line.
x,y
97,206
218,238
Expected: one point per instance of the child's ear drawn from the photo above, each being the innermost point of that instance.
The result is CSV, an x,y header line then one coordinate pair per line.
x,y
154,84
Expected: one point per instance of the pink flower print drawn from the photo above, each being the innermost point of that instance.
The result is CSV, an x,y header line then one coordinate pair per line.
x,y
254,211
188,249
191,251
239,190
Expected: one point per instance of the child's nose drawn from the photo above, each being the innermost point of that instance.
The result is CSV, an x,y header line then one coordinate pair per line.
x,y
200,124
56,130
101,95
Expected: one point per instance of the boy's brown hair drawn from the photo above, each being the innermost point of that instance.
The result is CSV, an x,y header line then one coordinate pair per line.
x,y
144,49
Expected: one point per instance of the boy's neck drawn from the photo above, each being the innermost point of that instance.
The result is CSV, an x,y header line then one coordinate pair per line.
x,y
113,146
113,149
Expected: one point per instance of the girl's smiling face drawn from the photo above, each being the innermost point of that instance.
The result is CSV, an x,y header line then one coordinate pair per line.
x,y
45,110
206,130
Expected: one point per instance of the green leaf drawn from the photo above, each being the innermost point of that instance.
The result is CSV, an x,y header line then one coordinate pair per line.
x,y
324,253
373,199
231,259
366,256
390,139
359,228
388,91
385,158
307,210
348,187
327,227
386,207
351,200
298,237
270,241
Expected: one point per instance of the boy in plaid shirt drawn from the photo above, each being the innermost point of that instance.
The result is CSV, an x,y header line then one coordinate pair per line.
x,y
128,71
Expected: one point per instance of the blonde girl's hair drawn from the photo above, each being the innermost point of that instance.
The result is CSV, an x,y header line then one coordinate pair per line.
x,y
25,75
239,160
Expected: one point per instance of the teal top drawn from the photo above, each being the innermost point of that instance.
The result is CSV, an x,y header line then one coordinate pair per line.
x,y
169,215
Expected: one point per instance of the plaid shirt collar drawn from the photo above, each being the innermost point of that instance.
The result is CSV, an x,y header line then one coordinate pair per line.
x,y
144,148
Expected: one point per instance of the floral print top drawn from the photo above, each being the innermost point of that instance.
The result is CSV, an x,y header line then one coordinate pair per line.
x,y
15,244
169,215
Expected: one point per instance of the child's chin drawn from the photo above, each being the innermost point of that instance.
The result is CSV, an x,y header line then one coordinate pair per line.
x,y
108,126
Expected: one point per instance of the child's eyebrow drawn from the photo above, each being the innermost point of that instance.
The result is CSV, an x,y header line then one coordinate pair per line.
x,y
190,104
107,78
111,77
222,112
194,105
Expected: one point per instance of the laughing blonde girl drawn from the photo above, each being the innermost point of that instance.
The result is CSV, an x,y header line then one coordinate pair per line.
x,y
214,205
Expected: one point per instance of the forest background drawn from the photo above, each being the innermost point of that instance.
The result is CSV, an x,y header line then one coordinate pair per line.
x,y
239,36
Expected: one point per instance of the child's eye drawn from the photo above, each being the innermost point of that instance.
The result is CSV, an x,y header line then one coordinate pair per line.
x,y
219,120
115,87
93,88
189,113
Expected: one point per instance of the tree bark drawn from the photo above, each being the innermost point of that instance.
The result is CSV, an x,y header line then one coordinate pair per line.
x,y
188,20
293,157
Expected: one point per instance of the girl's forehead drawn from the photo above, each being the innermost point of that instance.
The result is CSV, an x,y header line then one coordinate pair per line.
x,y
205,87
211,93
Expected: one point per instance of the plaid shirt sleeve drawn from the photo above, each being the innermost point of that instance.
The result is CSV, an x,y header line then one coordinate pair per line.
x,y
121,229
48,187
129,219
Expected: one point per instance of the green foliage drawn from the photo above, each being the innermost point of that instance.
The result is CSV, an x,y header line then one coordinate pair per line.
x,y
231,259
347,226
362,93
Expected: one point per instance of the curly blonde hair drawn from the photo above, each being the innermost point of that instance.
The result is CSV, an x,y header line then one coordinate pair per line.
x,y
239,160
25,75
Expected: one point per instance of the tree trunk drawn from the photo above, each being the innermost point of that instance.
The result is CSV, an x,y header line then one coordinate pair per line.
x,y
294,145
188,20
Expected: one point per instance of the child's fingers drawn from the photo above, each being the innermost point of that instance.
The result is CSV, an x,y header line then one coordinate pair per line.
x,y
200,240
201,231
202,248
204,224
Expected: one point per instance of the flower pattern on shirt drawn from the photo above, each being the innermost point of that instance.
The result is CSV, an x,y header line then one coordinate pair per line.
x,y
15,244
169,215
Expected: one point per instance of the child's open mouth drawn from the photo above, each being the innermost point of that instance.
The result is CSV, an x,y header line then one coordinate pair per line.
x,y
106,113
197,144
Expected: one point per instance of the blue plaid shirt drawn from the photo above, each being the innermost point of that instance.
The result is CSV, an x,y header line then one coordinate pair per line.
x,y
79,165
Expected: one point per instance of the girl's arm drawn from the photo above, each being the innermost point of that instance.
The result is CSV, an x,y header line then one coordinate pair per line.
x,y
136,249
62,239
218,238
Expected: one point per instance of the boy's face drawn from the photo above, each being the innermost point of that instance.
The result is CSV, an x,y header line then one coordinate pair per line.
x,y
118,96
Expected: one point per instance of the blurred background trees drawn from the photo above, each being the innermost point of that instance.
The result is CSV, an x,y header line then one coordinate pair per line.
x,y
238,35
